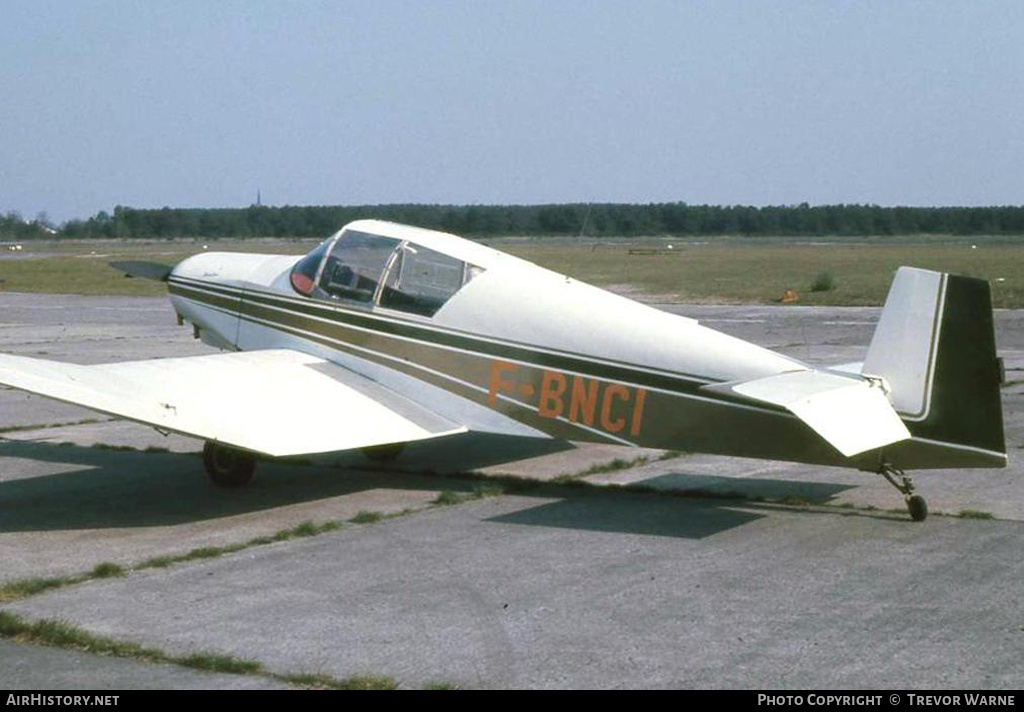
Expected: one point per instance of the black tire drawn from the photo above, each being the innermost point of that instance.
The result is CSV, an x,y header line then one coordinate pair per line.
x,y
228,466
384,453
918,508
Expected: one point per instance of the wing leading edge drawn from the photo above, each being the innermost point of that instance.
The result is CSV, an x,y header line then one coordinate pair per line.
x,y
275,402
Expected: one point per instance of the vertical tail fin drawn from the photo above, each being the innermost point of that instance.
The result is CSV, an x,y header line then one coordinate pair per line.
x,y
935,346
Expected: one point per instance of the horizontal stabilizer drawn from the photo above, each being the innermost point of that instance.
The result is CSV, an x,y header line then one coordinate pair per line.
x,y
144,270
275,402
852,414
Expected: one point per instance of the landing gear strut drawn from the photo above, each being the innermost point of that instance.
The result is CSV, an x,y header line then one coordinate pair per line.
x,y
915,503
227,466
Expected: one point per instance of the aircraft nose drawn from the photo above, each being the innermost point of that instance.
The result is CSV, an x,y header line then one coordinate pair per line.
x,y
222,267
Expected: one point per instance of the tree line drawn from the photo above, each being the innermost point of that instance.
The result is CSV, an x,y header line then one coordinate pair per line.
x,y
15,227
592,220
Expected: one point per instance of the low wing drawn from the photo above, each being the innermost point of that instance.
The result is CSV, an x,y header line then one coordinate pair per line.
x,y
276,402
854,415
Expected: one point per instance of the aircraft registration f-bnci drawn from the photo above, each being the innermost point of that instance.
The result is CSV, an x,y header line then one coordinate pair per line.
x,y
387,334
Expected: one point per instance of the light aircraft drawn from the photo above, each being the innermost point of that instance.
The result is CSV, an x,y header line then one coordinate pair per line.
x,y
387,334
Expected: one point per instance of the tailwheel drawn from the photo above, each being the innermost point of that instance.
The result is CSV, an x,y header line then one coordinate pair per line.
x,y
916,504
384,453
228,466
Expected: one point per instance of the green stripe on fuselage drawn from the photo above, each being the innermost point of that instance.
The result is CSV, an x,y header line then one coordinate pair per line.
x,y
625,373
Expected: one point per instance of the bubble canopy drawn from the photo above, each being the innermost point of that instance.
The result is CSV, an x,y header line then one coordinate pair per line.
x,y
363,268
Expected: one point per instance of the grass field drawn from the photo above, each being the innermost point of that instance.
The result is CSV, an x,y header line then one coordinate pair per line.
x,y
719,271
761,273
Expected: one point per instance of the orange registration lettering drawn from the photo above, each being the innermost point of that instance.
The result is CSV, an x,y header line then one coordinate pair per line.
x,y
552,388
583,400
638,412
497,382
611,392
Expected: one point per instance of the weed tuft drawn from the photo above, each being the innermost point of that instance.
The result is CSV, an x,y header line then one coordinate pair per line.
x,y
974,514
23,588
368,682
305,529
203,552
218,662
107,569
316,680
824,282
365,516
447,497
483,490
157,562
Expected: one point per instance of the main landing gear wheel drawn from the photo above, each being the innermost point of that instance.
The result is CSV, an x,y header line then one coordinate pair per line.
x,y
918,508
227,466
384,453
916,505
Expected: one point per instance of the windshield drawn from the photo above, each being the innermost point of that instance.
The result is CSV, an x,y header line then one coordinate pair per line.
x,y
373,270
304,271
355,265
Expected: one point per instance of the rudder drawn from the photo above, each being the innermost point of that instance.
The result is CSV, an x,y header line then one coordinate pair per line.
x,y
935,346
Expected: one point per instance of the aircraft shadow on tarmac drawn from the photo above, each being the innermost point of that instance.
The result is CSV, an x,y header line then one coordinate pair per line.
x,y
629,513
747,488
103,488
702,505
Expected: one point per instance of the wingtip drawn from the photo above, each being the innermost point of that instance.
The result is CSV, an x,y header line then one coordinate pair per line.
x,y
155,271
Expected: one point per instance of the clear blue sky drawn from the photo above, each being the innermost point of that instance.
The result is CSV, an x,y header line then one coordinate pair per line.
x,y
187,103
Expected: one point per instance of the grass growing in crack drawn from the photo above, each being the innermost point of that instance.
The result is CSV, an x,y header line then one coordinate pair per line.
x,y
480,491
440,686
157,562
484,490
217,662
368,682
204,552
23,588
323,681
62,634
365,516
670,455
602,468
317,680
305,529
446,497
974,514
107,569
